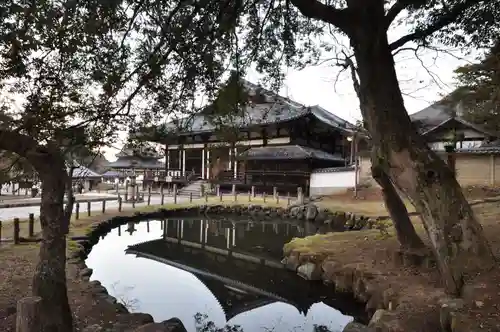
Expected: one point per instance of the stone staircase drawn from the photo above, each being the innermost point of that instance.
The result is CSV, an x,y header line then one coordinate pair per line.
x,y
193,188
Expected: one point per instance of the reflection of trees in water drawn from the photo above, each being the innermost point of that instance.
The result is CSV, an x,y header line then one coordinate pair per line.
x,y
204,325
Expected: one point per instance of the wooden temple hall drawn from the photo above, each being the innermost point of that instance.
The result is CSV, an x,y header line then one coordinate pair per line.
x,y
279,143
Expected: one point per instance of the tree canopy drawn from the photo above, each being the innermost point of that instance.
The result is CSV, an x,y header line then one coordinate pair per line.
x,y
479,90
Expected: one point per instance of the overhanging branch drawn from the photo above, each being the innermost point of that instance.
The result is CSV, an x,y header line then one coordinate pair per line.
x,y
326,13
43,158
395,10
445,20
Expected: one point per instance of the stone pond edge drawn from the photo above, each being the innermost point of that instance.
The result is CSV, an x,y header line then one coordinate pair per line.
x,y
381,304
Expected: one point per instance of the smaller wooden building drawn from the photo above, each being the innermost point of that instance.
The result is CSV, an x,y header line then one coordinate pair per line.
x,y
140,164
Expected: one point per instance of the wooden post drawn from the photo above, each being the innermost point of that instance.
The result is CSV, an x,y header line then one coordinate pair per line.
x,y
190,197
119,204
300,196
88,208
249,196
264,197
126,190
175,193
162,193
149,195
16,230
31,224
77,210
103,206
253,191
28,314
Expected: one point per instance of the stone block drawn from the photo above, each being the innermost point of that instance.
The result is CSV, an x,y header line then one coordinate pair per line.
x,y
309,271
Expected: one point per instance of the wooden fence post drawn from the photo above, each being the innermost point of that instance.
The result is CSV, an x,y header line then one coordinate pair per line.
x,y
149,195
31,225
28,314
300,196
88,208
162,193
175,193
103,206
119,204
126,190
77,210
16,230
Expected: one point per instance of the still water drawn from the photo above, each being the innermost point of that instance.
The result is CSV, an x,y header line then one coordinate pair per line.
x,y
228,271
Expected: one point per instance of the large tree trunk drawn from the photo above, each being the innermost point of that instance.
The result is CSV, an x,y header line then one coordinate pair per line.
x,y
405,232
49,281
457,237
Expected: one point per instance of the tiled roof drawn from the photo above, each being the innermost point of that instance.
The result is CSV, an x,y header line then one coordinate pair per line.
x,y
136,162
334,169
288,152
439,114
84,172
485,148
275,110
111,174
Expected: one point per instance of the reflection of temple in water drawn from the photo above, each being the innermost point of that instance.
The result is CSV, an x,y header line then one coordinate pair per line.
x,y
239,262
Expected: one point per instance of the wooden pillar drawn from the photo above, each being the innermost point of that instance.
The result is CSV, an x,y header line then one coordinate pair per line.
x,y
168,159
208,164
235,154
203,159
179,152
183,162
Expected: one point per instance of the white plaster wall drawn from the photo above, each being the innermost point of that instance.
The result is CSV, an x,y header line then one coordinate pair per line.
x,y
328,183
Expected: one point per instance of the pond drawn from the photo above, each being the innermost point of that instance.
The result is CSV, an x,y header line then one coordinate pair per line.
x,y
226,272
